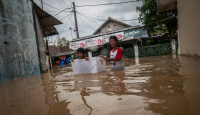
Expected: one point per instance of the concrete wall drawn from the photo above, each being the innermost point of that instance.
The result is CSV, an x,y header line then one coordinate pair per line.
x,y
18,54
40,38
189,26
110,27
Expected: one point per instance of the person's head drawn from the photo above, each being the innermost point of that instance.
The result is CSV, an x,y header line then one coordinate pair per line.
x,y
113,41
80,52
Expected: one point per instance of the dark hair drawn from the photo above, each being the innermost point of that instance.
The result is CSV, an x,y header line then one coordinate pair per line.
x,y
114,37
80,50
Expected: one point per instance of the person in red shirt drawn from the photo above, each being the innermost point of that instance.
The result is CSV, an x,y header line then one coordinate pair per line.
x,y
81,54
116,55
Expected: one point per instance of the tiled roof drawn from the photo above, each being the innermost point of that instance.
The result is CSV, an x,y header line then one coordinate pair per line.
x,y
64,49
53,50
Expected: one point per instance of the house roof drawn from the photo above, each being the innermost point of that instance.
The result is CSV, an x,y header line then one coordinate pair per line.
x,y
46,19
53,50
64,49
60,51
110,19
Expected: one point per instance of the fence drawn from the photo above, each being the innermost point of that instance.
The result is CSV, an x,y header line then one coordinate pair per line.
x,y
153,50
144,51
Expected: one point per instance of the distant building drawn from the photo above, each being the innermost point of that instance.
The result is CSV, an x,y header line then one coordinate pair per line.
x,y
128,36
110,25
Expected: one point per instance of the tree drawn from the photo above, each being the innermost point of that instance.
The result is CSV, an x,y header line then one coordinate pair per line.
x,y
63,42
148,15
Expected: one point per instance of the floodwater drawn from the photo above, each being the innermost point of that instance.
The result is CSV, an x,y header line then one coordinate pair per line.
x,y
148,86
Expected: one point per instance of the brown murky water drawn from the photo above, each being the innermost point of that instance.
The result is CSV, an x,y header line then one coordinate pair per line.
x,y
150,85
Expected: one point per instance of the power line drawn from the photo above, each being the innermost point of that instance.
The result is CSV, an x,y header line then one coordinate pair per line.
x,y
92,15
48,5
65,3
65,24
85,23
109,3
103,20
65,12
66,17
129,20
58,11
97,18
62,11
89,19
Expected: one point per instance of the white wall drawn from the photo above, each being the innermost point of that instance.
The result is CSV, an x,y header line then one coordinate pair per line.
x,y
189,26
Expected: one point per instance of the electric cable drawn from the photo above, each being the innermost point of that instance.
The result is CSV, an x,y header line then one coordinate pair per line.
x,y
65,25
85,24
89,19
109,3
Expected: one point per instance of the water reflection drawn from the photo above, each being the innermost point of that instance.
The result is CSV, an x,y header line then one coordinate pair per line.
x,y
152,85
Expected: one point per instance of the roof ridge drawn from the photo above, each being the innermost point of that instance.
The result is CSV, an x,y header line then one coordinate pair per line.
x,y
109,18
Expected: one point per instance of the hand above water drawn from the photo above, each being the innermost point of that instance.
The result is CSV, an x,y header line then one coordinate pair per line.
x,y
86,58
102,56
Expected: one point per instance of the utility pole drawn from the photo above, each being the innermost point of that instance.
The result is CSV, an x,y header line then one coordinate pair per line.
x,y
75,20
71,32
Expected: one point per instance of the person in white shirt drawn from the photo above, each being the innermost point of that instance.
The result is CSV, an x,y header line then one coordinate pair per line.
x,y
116,55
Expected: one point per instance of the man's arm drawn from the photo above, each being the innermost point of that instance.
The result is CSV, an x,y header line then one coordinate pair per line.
x,y
108,59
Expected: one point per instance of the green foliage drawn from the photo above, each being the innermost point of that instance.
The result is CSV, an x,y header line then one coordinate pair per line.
x,y
63,42
148,15
160,41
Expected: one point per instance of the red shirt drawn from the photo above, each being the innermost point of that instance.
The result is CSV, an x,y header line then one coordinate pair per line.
x,y
118,55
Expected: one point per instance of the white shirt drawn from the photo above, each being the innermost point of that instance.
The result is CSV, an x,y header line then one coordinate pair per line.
x,y
117,54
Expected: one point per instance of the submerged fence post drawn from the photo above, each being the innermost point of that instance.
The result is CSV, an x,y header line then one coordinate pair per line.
x,y
173,43
136,54
72,56
89,54
136,51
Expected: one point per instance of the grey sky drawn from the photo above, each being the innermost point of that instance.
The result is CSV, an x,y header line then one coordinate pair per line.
x,y
119,12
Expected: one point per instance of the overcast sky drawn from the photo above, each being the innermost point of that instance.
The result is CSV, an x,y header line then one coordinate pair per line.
x,y
126,11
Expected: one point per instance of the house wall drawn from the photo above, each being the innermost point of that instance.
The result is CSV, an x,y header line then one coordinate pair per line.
x,y
40,38
18,54
106,28
189,26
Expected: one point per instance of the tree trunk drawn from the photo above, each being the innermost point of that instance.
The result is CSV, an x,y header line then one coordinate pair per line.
x,y
170,35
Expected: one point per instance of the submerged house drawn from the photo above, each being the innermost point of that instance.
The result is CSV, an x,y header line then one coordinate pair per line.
x,y
128,36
